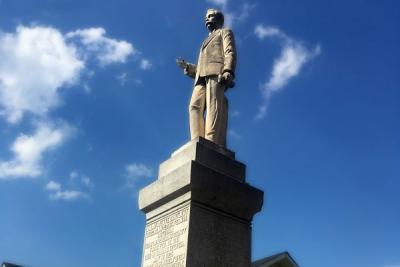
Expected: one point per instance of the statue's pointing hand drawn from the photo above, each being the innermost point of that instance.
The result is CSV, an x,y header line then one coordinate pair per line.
x,y
181,63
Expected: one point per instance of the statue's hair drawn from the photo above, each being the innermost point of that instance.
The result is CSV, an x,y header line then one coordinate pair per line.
x,y
218,15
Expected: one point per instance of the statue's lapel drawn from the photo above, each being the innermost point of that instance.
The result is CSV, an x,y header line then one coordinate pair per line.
x,y
209,38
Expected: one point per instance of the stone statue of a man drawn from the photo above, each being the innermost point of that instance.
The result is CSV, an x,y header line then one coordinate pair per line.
x,y
213,75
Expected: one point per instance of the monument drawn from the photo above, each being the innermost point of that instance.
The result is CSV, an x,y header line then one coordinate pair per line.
x,y
200,209
213,75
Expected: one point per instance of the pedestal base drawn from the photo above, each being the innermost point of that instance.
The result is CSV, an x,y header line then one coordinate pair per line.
x,y
199,210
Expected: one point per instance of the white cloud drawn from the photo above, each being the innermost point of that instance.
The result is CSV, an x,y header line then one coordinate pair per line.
x,y
288,65
57,193
145,64
67,195
106,50
135,171
80,186
263,32
138,170
35,64
29,150
294,56
53,186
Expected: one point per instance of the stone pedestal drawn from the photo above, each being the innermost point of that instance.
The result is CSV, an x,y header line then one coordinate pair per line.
x,y
199,210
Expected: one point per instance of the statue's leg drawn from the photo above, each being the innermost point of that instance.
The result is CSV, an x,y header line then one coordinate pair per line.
x,y
196,111
216,119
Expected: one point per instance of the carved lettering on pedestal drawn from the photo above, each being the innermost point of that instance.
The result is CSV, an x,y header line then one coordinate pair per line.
x,y
166,240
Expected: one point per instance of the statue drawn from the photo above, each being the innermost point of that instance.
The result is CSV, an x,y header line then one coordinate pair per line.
x,y
213,75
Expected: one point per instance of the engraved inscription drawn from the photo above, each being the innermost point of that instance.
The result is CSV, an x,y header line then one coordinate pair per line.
x,y
166,240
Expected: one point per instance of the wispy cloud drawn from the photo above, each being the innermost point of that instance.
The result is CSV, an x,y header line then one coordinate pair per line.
x,y
136,171
244,12
288,65
29,150
56,192
263,32
294,56
145,64
125,78
79,186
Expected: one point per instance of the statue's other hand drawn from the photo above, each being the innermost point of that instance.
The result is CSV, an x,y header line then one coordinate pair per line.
x,y
227,78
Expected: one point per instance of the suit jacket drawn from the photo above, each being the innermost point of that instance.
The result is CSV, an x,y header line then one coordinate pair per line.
x,y
217,55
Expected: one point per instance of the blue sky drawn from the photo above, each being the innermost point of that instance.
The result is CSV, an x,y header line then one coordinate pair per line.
x,y
91,102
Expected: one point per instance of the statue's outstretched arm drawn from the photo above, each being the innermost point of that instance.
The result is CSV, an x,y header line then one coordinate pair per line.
x,y
189,69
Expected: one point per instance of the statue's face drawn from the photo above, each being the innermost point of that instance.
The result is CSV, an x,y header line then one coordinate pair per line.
x,y
211,21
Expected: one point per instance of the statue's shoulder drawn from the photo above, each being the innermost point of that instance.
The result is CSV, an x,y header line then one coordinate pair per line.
x,y
226,31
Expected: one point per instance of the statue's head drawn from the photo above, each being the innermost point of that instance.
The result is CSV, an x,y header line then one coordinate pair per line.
x,y
214,19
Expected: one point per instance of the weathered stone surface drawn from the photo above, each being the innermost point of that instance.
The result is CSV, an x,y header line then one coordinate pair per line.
x,y
208,144
206,186
208,154
198,211
217,240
